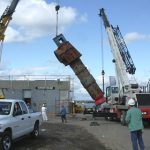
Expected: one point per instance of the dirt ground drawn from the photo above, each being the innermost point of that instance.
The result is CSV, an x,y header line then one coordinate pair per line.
x,y
81,132
55,135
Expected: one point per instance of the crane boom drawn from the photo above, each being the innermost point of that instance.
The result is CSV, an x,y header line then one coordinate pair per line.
x,y
130,67
6,17
4,21
120,67
68,55
122,58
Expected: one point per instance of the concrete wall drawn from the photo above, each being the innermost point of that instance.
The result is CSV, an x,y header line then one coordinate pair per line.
x,y
52,92
38,84
45,96
13,93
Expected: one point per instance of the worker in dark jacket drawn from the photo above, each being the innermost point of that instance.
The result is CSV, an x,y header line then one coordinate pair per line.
x,y
135,124
63,114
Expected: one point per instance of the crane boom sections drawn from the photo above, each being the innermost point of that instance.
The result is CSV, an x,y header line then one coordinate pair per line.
x,y
4,21
122,59
130,68
119,63
6,17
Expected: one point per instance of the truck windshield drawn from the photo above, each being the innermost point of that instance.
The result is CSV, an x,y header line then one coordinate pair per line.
x,y
143,99
5,108
115,90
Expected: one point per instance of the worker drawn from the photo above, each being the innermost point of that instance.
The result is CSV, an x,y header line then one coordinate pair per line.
x,y
63,114
44,112
17,109
135,124
29,105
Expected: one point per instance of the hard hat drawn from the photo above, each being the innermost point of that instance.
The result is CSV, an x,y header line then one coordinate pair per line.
x,y
131,102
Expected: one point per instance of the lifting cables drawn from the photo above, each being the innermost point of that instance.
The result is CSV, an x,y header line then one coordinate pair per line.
x,y
102,57
1,49
57,7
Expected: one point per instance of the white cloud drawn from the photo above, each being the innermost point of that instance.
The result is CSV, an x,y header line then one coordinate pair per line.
x,y
134,36
80,92
4,66
5,70
36,18
13,35
84,18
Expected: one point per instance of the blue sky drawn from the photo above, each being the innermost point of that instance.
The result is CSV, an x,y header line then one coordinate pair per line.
x,y
29,47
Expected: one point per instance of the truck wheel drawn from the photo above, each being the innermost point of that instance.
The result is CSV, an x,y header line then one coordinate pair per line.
x,y
6,141
35,132
122,118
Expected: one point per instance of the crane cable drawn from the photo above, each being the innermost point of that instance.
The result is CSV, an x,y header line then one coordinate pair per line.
x,y
1,49
102,56
57,7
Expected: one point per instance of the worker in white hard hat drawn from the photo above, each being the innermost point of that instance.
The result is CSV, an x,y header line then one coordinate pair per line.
x,y
44,112
135,124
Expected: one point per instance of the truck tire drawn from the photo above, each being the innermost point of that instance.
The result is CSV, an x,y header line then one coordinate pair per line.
x,y
35,132
122,118
6,141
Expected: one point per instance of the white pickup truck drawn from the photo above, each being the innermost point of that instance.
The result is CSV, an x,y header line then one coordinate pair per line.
x,y
17,120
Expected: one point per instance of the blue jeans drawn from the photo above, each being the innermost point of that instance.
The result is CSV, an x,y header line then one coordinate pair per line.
x,y
63,117
136,138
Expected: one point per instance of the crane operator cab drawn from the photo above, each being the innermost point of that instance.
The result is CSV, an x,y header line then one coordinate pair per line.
x,y
112,94
116,96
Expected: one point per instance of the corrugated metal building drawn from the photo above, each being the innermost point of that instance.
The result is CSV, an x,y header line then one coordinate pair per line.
x,y
36,90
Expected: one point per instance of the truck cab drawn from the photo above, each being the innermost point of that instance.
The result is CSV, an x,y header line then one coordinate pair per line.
x,y
16,121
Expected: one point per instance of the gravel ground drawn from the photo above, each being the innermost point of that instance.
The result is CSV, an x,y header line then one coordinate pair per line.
x,y
81,132
60,136
112,134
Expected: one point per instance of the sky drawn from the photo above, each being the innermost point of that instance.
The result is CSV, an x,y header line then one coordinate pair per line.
x,y
29,47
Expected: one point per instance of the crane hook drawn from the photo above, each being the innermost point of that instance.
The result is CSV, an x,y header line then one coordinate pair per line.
x,y
57,7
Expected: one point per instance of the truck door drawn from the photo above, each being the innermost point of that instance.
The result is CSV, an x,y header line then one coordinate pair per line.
x,y
27,117
18,121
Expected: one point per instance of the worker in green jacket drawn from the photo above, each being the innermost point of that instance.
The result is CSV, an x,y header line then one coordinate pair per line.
x,y
135,124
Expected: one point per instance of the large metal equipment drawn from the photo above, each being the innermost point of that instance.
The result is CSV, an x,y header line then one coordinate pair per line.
x,y
69,55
